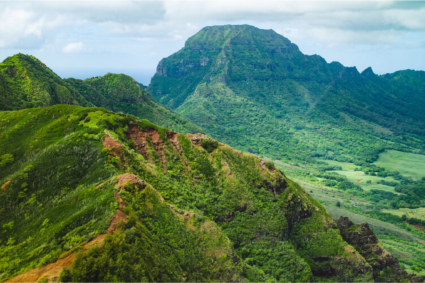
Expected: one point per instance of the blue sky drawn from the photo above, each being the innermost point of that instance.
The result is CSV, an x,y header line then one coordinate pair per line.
x,y
91,37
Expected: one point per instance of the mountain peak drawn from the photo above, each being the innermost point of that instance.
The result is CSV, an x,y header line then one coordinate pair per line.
x,y
30,83
24,60
368,72
217,36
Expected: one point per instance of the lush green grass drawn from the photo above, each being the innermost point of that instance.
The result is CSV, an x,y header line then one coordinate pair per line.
x,y
418,213
355,175
50,202
408,164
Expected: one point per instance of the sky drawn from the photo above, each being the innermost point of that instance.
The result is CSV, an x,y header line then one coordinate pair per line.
x,y
86,38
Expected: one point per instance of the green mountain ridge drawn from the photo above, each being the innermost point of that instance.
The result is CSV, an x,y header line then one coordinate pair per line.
x,y
121,93
255,90
25,82
191,209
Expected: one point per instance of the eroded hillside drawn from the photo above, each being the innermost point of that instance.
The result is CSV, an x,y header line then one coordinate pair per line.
x,y
192,209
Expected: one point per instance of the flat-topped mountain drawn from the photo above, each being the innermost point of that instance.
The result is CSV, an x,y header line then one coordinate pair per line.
x,y
256,90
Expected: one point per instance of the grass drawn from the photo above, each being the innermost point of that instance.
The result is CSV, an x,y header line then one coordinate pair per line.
x,y
51,202
408,164
366,182
418,213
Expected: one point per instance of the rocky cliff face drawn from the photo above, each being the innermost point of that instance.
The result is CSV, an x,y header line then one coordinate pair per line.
x,y
385,266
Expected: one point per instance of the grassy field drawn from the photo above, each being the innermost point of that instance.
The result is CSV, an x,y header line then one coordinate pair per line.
x,y
418,213
408,164
366,182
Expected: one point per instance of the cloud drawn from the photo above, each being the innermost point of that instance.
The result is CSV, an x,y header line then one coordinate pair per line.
x,y
155,28
17,25
73,47
26,22
363,22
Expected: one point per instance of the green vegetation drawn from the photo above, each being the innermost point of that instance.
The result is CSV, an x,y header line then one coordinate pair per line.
x,y
215,213
50,202
121,93
359,137
409,213
203,211
363,207
254,90
25,82
408,164
158,244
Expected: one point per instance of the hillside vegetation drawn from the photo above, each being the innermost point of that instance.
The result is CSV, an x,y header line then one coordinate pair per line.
x,y
353,135
175,207
25,82
255,90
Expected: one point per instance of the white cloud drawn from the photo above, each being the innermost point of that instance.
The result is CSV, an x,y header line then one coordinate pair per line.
x,y
23,20
73,47
156,28
17,25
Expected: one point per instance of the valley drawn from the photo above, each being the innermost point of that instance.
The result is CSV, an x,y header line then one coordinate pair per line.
x,y
402,235
234,164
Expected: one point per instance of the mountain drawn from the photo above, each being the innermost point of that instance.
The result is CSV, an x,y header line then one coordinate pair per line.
x,y
25,82
121,93
91,195
255,90
355,140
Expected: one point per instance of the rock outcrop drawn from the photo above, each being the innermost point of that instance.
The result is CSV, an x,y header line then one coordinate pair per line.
x,y
385,266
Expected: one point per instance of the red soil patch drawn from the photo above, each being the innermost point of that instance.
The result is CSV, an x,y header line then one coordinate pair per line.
x,y
196,139
402,255
422,242
419,227
140,139
359,180
113,146
4,186
52,271
130,180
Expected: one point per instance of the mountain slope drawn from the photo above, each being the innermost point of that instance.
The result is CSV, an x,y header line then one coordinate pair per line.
x,y
25,82
255,90
190,208
121,93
